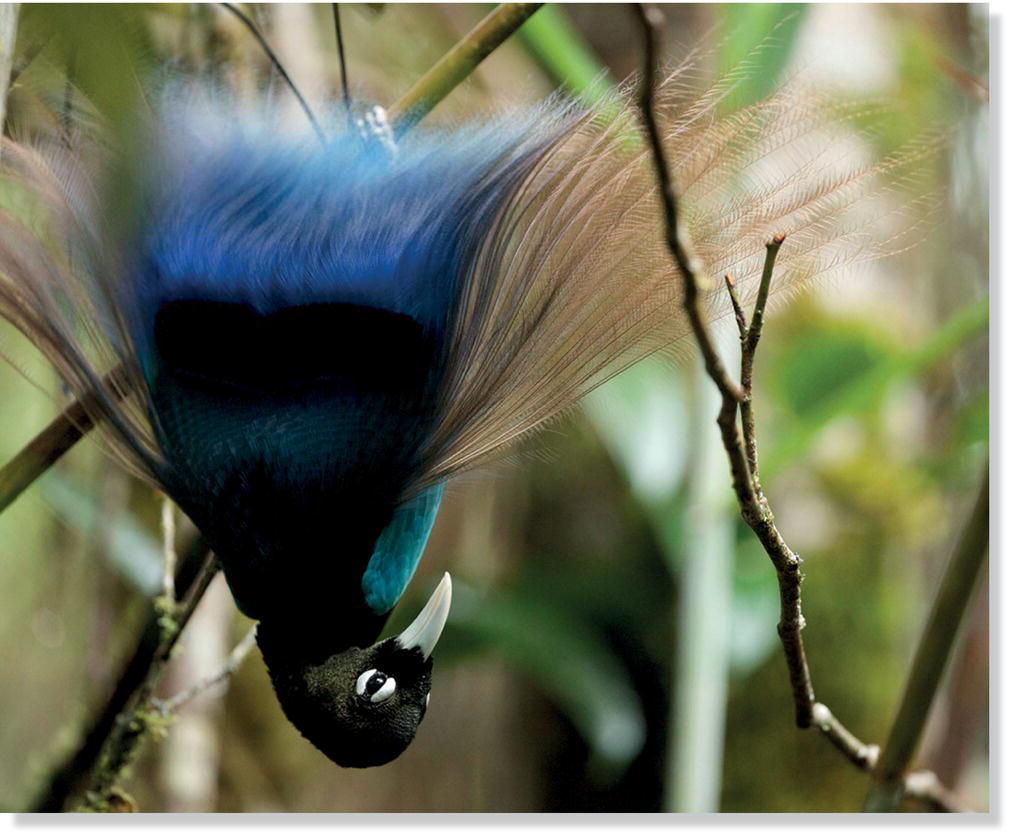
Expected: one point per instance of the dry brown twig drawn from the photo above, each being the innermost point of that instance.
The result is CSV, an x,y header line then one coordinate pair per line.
x,y
236,658
740,444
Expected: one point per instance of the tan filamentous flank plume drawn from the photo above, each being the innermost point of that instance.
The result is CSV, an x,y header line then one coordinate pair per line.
x,y
49,294
574,283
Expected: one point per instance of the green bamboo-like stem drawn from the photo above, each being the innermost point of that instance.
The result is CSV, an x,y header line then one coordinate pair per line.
x,y
457,64
941,629
32,461
64,432
55,440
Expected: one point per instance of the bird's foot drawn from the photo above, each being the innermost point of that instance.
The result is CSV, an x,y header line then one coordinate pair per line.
x,y
374,126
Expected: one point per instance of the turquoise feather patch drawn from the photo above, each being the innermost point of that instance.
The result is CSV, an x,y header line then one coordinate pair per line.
x,y
398,551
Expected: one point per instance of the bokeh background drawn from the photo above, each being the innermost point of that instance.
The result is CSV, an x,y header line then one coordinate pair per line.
x,y
612,643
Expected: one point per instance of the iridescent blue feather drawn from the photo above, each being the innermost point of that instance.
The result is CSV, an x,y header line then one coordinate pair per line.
x,y
399,549
293,308
317,335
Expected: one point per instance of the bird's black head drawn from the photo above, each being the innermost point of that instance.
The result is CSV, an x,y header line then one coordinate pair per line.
x,y
361,707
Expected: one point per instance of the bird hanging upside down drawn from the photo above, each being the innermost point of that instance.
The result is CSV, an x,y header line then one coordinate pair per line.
x,y
318,336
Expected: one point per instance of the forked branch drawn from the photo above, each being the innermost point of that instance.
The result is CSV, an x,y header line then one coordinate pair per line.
x,y
740,442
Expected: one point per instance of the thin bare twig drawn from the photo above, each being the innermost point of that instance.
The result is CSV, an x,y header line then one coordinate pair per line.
x,y
754,508
343,75
277,65
750,340
736,305
740,442
240,652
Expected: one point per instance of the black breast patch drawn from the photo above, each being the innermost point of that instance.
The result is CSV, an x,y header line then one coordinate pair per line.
x,y
235,345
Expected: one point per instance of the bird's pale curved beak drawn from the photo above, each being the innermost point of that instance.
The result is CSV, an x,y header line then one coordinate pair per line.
x,y
424,631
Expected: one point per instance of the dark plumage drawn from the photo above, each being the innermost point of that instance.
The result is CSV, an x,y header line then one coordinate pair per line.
x,y
319,336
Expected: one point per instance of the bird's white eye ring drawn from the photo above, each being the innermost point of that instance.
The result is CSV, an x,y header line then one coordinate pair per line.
x,y
375,686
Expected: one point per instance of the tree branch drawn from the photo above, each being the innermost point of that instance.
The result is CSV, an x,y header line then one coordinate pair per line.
x,y
457,64
941,628
236,657
52,442
740,442
69,778
139,716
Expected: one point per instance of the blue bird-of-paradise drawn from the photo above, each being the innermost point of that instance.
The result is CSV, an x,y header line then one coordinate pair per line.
x,y
320,335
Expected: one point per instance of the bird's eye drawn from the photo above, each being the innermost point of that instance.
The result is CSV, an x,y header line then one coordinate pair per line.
x,y
375,686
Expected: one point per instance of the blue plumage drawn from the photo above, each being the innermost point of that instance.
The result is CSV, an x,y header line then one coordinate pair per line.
x,y
316,337
293,306
398,550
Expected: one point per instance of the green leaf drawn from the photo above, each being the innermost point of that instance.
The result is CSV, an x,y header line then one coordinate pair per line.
x,y
762,36
568,61
822,359
867,390
562,655
565,56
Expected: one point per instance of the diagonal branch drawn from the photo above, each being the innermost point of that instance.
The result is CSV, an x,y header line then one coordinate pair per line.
x,y
53,441
67,780
741,448
239,654
137,719
457,64
963,571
